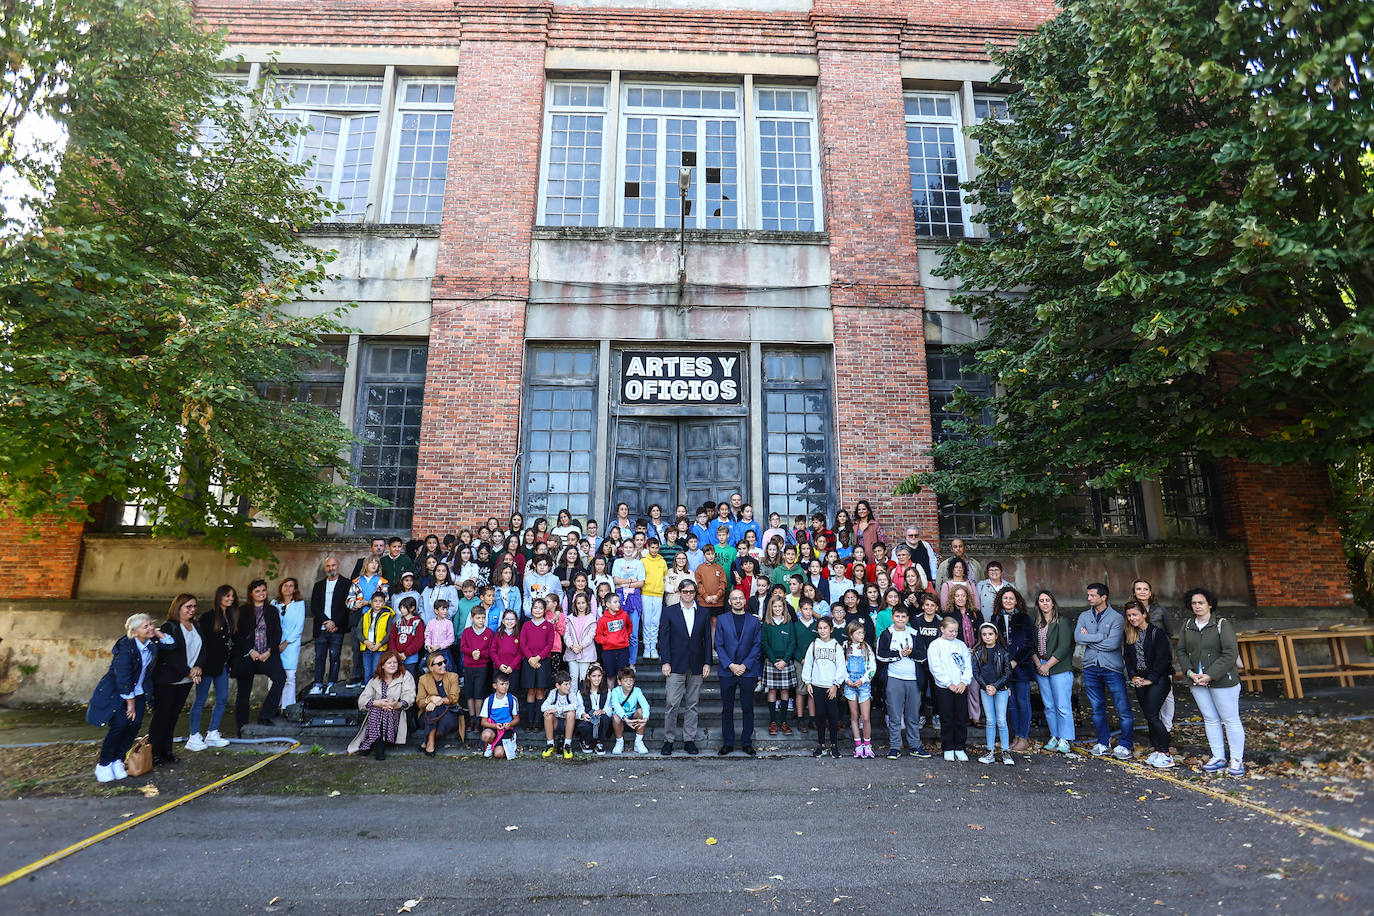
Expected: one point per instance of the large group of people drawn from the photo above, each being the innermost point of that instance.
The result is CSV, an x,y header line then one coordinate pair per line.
x,y
538,630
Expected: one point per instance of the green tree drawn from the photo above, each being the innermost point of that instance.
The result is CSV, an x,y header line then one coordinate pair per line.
x,y
141,299
1181,251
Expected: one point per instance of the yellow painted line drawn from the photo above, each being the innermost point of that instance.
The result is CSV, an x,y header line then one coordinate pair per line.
x,y
134,822
1295,821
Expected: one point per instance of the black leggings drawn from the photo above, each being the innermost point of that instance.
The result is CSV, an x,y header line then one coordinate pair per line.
x,y
827,713
1151,701
953,719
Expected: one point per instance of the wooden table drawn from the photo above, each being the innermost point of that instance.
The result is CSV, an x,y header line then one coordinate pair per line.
x,y
1340,667
1252,676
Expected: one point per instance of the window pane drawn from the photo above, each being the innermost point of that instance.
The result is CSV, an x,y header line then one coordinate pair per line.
x,y
421,167
795,452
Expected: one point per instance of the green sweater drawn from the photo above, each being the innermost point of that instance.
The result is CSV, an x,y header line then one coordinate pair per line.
x,y
1058,644
1213,648
805,636
779,641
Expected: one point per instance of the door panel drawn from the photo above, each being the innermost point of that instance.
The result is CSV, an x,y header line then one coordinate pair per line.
x,y
712,463
645,469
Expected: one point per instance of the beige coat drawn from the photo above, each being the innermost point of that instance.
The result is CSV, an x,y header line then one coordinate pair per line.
x,y
373,691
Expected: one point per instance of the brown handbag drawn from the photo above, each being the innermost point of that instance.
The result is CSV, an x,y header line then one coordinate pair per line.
x,y
140,758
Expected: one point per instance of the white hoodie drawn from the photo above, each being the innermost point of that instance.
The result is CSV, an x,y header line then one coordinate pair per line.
x,y
950,662
824,664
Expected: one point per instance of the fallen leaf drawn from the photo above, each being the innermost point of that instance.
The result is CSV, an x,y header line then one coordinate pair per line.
x,y
797,832
985,899
975,826
776,878
593,864
511,827
273,901
335,794
149,791
755,890
710,841
410,904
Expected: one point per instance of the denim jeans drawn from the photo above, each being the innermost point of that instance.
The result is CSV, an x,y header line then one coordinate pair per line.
x,y
1056,692
1096,682
221,684
328,649
1019,708
370,661
995,712
123,731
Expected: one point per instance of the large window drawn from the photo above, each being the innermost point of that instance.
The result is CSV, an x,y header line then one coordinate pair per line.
x,y
933,144
424,116
798,429
1188,489
666,128
391,393
560,426
948,372
339,146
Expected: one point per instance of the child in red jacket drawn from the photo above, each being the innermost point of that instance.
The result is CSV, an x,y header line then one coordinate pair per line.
x,y
613,633
407,635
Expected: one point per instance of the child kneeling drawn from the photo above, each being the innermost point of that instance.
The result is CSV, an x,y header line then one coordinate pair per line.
x,y
499,715
628,708
563,705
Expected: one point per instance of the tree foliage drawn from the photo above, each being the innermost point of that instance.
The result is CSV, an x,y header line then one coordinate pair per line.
x,y
143,305
1182,248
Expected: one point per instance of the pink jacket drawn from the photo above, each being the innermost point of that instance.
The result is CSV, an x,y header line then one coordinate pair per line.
x,y
580,630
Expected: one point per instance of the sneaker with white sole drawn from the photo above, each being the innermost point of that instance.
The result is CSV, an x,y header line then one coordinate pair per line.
x,y
196,743
104,772
640,747
989,757
1215,765
949,755
1164,761
961,756
1008,760
619,746
488,750
1236,769
1100,749
1065,747
214,740
1122,753
117,767
316,690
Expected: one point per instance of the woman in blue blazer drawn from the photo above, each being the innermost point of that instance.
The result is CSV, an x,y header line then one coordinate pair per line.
x,y
121,696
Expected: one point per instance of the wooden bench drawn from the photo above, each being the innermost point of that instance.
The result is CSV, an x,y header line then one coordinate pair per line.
x,y
1252,675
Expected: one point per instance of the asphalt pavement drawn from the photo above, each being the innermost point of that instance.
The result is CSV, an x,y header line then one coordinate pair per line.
x,y
1050,835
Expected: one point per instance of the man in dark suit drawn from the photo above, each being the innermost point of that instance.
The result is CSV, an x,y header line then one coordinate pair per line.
x,y
683,635
329,608
739,643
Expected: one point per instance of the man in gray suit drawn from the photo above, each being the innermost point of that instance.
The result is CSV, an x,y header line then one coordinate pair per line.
x,y
684,634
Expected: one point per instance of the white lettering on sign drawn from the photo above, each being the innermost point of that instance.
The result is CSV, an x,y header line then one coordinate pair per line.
x,y
666,379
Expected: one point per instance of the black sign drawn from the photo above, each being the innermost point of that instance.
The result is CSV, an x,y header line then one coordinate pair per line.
x,y
687,377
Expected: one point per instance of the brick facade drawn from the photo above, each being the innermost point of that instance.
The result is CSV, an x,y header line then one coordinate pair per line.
x,y
40,560
470,434
1293,551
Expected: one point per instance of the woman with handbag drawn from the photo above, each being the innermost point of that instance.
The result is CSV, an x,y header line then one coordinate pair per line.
x,y
121,696
438,701
384,700
178,670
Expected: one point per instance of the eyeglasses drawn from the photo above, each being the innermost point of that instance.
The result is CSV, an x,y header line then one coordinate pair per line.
x,y
438,664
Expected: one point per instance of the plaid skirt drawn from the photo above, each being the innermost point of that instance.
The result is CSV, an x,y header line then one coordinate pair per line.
x,y
773,679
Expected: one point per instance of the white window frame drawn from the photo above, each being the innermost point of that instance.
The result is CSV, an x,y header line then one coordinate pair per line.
x,y
954,120
701,115
810,116
546,157
992,98
400,108
352,115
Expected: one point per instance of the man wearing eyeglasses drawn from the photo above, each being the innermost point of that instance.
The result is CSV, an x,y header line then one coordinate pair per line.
x,y
683,645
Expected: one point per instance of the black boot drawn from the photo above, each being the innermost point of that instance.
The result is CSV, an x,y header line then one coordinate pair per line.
x,y
380,750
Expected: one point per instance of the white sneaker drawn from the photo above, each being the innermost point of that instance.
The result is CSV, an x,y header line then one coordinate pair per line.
x,y
619,746
949,755
960,755
1164,761
488,750
1099,750
1008,760
1065,747
639,745
315,690
104,772
989,757
196,743
117,767
1122,753
214,740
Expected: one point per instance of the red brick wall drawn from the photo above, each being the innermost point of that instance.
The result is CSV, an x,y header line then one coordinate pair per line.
x,y
42,568
1293,552
469,435
876,297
